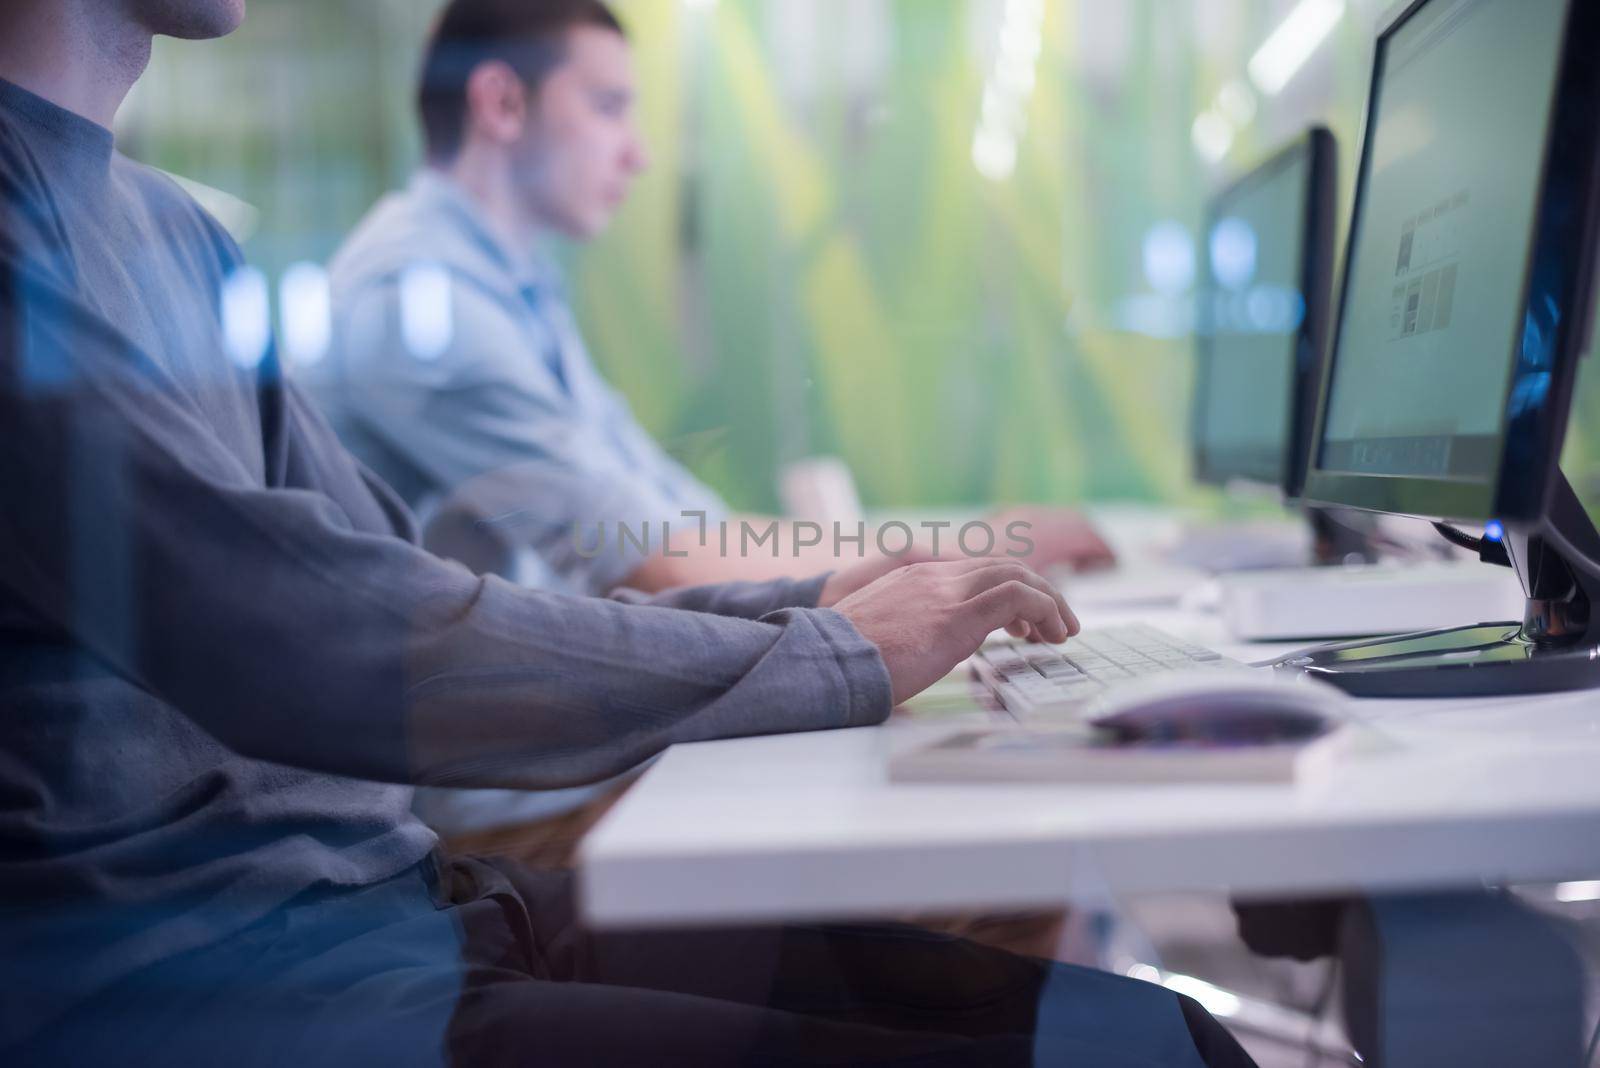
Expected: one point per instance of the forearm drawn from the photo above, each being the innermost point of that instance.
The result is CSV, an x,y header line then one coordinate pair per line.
x,y
582,709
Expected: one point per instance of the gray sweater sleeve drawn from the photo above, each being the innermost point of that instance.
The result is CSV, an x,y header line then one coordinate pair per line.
x,y
747,600
265,616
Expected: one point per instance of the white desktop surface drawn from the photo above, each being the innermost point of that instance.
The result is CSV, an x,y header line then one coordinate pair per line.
x,y
808,825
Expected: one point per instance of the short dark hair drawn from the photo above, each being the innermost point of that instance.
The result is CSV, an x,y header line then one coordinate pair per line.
x,y
528,35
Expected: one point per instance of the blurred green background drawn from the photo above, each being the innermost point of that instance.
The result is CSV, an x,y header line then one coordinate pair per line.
x,y
841,248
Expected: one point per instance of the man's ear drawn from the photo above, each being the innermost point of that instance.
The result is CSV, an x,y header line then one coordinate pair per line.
x,y
497,102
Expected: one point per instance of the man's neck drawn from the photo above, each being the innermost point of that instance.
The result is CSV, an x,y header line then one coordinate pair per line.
x,y
76,54
485,177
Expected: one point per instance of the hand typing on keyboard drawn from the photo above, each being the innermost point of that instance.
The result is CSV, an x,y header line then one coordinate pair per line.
x,y
927,618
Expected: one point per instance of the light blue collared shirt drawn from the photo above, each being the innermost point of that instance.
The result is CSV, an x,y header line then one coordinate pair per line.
x,y
459,374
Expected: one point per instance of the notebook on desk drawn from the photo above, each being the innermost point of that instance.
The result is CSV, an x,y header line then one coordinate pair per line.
x,y
1087,755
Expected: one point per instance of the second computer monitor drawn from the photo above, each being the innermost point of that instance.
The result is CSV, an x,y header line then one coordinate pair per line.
x,y
1467,279
1262,317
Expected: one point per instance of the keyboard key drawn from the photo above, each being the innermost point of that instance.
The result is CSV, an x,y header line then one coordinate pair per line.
x,y
1062,670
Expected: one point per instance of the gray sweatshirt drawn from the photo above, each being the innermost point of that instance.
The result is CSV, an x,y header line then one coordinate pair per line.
x,y
222,656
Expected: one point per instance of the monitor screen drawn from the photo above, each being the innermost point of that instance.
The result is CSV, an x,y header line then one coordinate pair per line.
x,y
1436,283
1252,308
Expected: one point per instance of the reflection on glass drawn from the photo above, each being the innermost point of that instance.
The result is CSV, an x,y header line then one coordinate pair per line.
x,y
305,312
1233,252
426,323
246,316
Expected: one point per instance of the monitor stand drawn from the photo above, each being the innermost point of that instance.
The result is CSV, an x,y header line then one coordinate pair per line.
x,y
1555,647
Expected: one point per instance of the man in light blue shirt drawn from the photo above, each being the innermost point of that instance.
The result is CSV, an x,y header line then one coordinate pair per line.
x,y
458,371
457,359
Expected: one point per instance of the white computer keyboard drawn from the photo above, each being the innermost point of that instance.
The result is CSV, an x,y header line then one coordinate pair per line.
x,y
1034,681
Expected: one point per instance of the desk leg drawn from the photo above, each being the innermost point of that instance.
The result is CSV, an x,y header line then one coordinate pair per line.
x,y
1460,980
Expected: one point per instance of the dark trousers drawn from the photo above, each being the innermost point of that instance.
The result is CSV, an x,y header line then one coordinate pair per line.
x,y
479,963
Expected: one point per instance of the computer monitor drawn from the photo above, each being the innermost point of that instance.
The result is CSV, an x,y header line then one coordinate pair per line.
x,y
1261,326
1463,312
1262,318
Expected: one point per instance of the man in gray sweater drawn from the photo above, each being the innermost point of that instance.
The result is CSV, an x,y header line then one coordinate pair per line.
x,y
223,660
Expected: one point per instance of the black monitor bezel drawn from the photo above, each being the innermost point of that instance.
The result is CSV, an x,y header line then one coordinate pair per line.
x,y
1315,276
1562,251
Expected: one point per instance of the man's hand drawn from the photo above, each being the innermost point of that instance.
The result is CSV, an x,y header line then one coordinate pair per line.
x,y
1060,536
847,580
926,618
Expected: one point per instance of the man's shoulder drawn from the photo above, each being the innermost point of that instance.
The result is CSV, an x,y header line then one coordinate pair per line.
x,y
407,229
381,244
171,205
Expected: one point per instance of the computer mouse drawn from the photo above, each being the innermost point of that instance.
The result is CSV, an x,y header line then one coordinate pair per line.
x,y
1210,707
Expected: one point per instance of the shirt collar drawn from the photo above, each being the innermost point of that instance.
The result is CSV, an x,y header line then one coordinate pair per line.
x,y
80,146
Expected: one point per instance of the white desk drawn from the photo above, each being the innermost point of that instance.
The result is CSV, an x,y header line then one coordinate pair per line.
x,y
805,826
